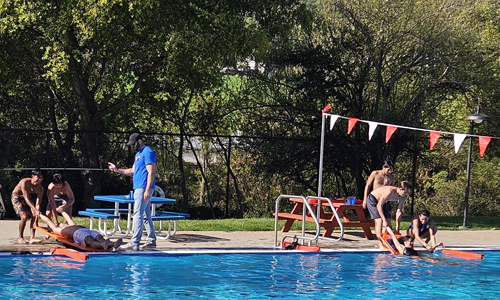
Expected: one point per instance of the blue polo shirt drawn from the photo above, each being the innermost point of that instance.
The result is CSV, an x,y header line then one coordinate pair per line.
x,y
144,157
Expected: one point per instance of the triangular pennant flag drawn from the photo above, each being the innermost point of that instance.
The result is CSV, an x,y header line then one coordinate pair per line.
x,y
326,109
388,132
434,136
333,119
483,143
371,128
457,140
350,126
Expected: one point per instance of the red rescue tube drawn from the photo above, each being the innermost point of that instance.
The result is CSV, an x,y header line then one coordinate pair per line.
x,y
303,247
465,254
70,253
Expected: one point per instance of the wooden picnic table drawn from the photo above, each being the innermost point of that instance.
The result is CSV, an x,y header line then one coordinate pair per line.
x,y
327,219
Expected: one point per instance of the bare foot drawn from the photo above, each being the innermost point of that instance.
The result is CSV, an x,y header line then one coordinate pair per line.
x,y
35,241
107,243
21,240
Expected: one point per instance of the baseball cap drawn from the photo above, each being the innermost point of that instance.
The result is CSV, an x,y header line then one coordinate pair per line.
x,y
134,137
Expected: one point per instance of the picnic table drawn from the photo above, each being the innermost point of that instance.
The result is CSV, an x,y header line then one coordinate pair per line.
x,y
104,214
352,215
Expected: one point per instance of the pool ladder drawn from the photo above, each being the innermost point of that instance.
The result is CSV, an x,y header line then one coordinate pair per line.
x,y
306,208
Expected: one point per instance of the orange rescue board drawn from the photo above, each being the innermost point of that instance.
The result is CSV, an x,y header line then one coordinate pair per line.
x,y
465,254
385,238
303,247
70,253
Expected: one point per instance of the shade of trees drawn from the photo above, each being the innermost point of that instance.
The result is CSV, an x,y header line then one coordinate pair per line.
x,y
81,68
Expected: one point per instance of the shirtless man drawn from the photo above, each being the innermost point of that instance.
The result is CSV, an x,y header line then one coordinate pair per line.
x,y
23,205
379,212
380,178
81,235
60,197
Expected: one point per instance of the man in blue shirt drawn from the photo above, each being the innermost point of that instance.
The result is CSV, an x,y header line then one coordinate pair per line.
x,y
143,172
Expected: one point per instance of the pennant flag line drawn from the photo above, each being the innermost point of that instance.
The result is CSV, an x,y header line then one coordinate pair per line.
x,y
333,119
389,131
458,138
434,136
352,122
371,129
483,143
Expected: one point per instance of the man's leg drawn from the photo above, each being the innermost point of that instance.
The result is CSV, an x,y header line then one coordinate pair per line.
x,y
22,225
148,222
139,209
378,231
92,242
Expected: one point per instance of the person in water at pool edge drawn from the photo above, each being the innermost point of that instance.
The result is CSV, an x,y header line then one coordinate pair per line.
x,y
404,245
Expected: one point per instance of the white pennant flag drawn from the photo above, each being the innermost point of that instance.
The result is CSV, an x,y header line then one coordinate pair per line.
x,y
458,138
333,119
371,128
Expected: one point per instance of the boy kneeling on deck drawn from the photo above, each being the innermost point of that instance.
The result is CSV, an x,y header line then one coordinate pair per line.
x,y
81,235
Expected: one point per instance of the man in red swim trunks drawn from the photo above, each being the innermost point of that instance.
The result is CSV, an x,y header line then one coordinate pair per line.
x,y
22,200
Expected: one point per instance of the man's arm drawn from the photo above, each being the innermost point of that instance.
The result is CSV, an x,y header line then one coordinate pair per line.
x,y
398,245
68,218
368,186
416,233
50,196
70,195
26,197
151,168
126,172
399,211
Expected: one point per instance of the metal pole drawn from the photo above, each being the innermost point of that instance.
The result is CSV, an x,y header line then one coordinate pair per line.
x,y
414,176
321,149
467,178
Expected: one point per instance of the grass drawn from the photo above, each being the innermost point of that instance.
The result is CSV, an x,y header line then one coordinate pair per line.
x,y
267,224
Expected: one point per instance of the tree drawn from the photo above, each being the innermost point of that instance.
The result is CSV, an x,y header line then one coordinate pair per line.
x,y
115,64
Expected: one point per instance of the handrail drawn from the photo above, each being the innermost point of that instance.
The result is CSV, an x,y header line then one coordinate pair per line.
x,y
303,237
318,213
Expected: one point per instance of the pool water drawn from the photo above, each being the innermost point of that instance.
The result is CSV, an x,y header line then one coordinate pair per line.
x,y
250,276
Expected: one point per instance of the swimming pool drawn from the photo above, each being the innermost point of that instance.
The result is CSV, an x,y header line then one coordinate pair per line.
x,y
250,276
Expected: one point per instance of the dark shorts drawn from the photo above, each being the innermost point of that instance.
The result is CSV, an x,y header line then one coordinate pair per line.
x,y
59,201
371,204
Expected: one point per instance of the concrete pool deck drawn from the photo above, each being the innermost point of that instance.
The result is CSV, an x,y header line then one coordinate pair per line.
x,y
257,240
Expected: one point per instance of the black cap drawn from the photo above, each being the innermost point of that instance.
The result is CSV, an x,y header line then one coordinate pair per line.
x,y
134,137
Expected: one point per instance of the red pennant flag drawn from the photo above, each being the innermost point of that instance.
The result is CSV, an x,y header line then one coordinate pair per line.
x,y
388,132
326,109
483,143
352,122
434,136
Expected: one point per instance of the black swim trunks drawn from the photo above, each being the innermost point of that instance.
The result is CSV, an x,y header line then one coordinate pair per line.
x,y
371,204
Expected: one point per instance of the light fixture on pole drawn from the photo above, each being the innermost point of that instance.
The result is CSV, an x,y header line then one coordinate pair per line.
x,y
474,118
